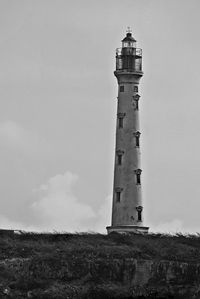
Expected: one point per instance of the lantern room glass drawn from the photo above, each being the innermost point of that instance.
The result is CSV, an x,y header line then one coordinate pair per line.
x,y
128,44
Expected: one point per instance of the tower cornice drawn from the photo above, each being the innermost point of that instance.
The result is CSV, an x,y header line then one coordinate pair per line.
x,y
128,77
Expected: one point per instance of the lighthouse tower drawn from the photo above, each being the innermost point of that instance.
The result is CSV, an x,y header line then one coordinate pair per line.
x,y
127,210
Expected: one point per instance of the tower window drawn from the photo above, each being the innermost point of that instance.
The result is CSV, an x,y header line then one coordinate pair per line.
x,y
139,215
119,156
118,196
137,141
138,176
121,122
138,179
137,138
135,88
118,192
121,119
136,105
121,88
136,99
139,210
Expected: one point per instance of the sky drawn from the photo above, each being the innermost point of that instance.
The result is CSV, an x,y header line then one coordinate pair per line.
x,y
58,112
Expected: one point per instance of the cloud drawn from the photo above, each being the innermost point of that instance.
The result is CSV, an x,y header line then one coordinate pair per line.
x,y
58,206
53,206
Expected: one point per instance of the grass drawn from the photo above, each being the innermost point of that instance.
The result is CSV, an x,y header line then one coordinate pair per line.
x,y
160,246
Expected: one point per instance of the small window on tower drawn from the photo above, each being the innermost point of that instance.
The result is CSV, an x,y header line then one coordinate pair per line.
x,y
139,215
139,210
137,138
135,101
121,116
118,192
119,156
118,196
121,89
135,89
137,141
138,179
121,122
136,105
119,159
138,176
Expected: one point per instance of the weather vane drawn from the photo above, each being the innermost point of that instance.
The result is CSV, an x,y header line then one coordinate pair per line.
x,y
128,29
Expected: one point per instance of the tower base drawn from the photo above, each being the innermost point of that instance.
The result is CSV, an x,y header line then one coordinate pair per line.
x,y
123,229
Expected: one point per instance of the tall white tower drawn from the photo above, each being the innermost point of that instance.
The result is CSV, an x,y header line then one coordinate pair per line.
x,y
127,210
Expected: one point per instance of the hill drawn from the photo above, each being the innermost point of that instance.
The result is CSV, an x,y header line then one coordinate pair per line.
x,y
94,266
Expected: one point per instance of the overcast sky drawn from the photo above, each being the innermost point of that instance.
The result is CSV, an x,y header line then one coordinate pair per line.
x,y
58,111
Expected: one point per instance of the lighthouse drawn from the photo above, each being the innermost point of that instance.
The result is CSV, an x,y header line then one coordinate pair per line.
x,y
127,208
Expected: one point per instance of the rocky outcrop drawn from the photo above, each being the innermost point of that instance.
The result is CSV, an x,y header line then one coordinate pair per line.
x,y
90,277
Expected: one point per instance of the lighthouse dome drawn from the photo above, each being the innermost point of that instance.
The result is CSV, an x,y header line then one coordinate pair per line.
x,y
129,41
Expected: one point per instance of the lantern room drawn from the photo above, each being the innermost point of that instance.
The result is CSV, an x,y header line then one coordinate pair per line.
x,y
128,57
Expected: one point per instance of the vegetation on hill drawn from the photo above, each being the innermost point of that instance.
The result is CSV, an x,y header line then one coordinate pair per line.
x,y
55,265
